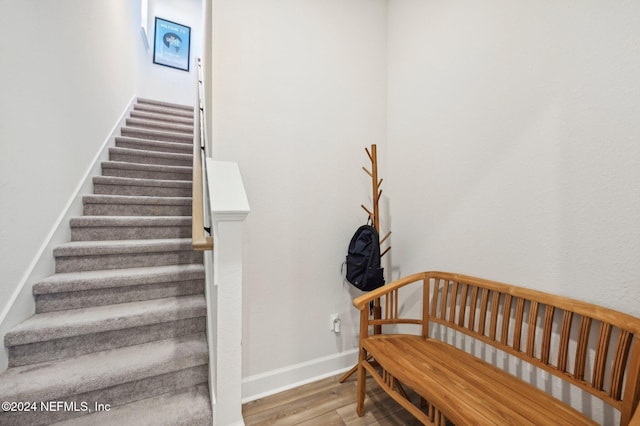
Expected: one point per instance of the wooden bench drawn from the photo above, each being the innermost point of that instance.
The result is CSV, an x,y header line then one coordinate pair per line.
x,y
592,349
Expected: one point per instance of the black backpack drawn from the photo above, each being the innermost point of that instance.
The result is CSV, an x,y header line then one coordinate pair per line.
x,y
363,259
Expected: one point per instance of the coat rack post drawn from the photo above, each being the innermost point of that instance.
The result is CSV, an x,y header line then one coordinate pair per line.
x,y
376,194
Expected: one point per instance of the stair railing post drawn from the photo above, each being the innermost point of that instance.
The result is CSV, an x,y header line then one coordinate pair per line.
x,y
229,208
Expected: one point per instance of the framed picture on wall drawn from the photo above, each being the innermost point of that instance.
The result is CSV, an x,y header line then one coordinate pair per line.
x,y
172,44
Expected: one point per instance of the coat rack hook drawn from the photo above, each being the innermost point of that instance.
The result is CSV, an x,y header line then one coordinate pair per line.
x,y
367,171
367,210
385,237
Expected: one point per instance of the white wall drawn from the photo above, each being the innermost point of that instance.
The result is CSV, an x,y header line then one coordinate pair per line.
x,y
299,91
68,70
166,83
514,143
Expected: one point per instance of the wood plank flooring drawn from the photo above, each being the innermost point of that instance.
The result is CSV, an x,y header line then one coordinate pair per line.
x,y
327,403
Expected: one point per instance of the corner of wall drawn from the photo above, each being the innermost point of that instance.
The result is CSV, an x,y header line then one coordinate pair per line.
x,y
281,379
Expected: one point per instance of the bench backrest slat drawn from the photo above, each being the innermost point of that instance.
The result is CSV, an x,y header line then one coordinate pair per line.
x,y
506,312
546,333
493,325
597,380
517,332
463,303
565,333
619,363
484,304
581,351
453,302
472,307
531,329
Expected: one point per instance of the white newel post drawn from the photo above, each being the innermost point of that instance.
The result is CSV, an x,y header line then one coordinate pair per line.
x,y
229,208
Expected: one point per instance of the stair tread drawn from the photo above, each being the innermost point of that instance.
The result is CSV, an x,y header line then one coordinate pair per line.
x,y
92,280
116,180
91,248
76,322
72,376
146,167
156,133
165,104
159,109
134,199
174,145
138,221
179,128
188,406
165,118
146,153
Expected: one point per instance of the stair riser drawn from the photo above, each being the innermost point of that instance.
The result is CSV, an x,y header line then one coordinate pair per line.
x,y
51,350
107,233
162,118
125,260
114,396
150,191
159,125
157,136
145,174
154,146
136,210
135,293
143,158
163,110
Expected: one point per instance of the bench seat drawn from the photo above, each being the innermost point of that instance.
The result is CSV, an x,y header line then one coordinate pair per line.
x,y
484,393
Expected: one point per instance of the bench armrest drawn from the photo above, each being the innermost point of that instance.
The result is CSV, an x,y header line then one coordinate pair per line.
x,y
363,301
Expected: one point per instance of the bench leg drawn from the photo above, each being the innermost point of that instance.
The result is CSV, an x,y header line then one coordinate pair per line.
x,y
362,385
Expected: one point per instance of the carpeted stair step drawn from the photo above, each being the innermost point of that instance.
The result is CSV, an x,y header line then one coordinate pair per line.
x,y
159,125
155,109
184,407
111,185
114,377
69,333
149,145
123,205
79,256
170,105
146,171
83,289
150,157
102,228
161,117
157,135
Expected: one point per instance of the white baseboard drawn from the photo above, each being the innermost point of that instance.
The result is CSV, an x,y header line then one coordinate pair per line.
x,y
21,304
281,379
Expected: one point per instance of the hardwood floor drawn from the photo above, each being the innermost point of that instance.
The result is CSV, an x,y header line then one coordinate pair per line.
x,y
327,403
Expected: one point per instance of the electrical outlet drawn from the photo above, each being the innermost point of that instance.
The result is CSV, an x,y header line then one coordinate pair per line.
x,y
334,323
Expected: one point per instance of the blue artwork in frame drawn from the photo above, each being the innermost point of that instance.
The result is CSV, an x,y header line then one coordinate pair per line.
x,y
172,44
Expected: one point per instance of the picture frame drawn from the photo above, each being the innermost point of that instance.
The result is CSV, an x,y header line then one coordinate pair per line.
x,y
172,44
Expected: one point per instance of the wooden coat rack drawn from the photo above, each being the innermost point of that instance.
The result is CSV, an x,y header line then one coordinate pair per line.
x,y
374,215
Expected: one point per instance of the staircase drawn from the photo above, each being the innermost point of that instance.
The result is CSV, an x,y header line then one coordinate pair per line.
x,y
119,331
